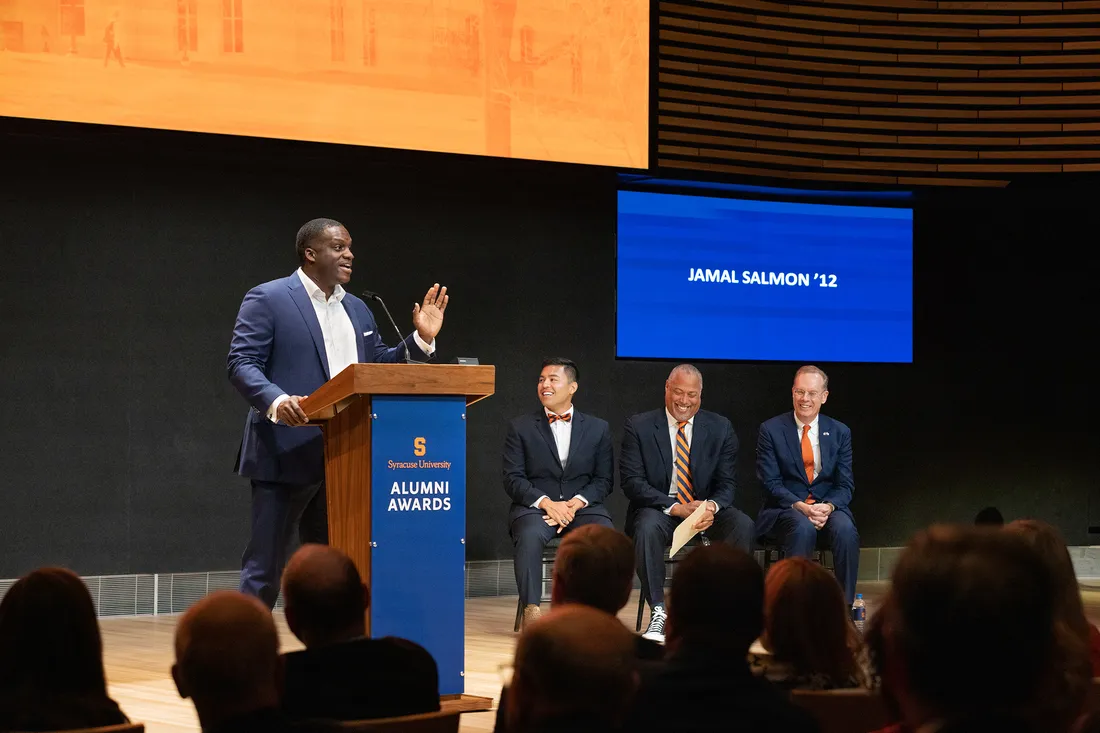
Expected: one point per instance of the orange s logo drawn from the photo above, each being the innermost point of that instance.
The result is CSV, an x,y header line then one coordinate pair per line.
x,y
419,448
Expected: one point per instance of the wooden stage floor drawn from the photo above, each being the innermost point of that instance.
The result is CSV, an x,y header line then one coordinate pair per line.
x,y
138,656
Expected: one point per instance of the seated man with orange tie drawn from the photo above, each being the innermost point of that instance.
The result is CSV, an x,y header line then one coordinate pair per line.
x,y
673,460
804,461
558,469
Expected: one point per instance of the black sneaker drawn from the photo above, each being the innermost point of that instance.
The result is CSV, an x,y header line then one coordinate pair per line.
x,y
656,630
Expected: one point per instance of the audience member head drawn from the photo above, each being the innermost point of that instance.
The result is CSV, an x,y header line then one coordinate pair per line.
x,y
594,566
1072,671
716,600
683,392
806,621
968,634
875,643
227,657
1048,543
990,516
324,596
576,663
49,637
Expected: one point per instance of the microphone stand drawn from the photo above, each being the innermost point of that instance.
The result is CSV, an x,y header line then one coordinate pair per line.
x,y
371,295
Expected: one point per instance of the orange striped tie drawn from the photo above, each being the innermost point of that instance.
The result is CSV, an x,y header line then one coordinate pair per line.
x,y
808,459
683,466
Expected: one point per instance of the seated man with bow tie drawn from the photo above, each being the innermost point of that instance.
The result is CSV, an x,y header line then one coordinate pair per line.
x,y
673,460
558,469
804,461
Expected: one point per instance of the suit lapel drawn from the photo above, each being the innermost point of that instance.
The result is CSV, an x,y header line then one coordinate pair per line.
x,y
576,436
664,444
360,343
543,426
301,299
794,444
826,443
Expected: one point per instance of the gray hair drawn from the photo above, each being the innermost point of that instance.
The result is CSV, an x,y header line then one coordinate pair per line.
x,y
688,370
811,369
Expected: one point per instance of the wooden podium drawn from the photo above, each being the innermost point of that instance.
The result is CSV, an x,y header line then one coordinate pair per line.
x,y
395,480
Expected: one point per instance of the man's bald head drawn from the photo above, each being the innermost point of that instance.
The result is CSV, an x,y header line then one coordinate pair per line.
x,y
575,660
227,654
324,595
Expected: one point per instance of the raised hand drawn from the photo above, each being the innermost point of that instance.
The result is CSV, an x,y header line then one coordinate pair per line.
x,y
428,316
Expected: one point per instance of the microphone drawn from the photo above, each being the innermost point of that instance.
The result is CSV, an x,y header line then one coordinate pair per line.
x,y
371,295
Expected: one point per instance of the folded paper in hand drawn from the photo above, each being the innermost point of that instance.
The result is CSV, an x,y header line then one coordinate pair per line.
x,y
686,530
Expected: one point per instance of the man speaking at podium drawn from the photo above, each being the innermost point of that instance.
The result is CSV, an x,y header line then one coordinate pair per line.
x,y
292,335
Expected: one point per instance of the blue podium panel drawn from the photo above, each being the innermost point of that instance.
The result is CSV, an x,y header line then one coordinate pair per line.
x,y
418,527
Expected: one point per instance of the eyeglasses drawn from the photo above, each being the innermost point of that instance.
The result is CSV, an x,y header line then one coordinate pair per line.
x,y
800,393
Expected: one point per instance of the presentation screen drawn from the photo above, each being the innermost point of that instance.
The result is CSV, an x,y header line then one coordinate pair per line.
x,y
720,278
548,80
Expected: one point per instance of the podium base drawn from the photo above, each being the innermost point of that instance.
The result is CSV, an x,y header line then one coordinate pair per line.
x,y
465,703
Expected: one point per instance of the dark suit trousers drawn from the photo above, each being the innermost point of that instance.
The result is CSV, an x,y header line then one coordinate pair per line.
x,y
530,534
277,509
797,537
652,532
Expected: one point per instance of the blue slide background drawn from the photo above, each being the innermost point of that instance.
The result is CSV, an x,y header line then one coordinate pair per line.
x,y
662,237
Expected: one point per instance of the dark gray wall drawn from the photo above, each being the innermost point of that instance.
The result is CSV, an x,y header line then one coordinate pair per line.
x,y
127,253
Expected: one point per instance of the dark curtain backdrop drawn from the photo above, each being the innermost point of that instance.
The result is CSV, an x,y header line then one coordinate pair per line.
x,y
127,254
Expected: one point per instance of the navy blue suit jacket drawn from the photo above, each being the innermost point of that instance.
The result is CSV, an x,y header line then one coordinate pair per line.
x,y
532,467
645,466
780,469
277,349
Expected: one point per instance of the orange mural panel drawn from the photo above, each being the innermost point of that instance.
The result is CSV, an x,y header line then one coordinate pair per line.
x,y
557,80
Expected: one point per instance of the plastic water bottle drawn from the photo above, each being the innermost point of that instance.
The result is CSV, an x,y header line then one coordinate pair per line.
x,y
859,612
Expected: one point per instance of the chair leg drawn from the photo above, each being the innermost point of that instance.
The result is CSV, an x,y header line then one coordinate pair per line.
x,y
641,608
519,613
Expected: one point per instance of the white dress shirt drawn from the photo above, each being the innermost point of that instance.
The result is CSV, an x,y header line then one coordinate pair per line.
x,y
689,433
563,434
337,331
814,441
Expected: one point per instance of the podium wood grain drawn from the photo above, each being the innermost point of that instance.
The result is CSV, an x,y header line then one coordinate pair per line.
x,y
347,483
476,382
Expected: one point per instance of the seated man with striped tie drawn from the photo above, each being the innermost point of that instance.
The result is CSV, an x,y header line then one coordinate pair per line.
x,y
558,469
674,459
804,461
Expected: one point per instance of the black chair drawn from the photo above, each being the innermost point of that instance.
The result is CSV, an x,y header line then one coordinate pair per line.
x,y
773,553
548,554
670,567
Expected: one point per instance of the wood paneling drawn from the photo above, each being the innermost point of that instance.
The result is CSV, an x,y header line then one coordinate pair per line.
x,y
347,483
959,93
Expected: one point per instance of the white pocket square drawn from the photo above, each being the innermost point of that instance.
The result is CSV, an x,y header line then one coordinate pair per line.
x,y
824,435
368,333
